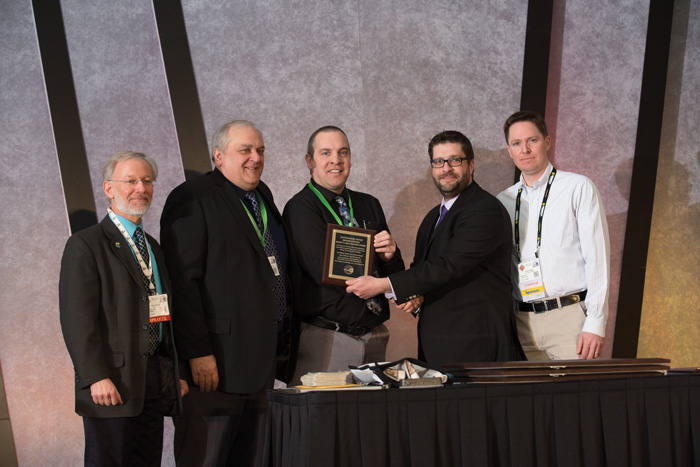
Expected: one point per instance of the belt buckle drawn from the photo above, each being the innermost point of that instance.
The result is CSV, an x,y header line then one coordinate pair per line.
x,y
544,305
337,326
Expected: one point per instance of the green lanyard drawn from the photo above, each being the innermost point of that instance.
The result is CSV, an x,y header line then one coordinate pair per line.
x,y
263,212
325,203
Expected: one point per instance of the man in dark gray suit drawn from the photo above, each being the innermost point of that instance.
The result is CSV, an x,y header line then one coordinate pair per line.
x,y
461,268
226,247
114,297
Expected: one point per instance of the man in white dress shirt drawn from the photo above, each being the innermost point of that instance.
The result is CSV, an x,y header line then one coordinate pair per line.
x,y
561,251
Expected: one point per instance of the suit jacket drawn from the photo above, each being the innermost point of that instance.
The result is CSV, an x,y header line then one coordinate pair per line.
x,y
463,271
224,299
104,314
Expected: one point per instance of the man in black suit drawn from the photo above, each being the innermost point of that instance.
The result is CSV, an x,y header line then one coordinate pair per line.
x,y
461,269
339,329
226,248
114,296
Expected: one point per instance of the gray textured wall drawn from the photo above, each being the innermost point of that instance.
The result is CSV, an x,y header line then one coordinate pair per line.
x,y
592,107
37,372
391,73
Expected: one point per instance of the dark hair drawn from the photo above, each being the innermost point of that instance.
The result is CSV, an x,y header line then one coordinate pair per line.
x,y
323,129
452,136
525,116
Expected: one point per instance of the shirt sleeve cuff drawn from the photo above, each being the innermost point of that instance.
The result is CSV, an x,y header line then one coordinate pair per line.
x,y
594,325
391,295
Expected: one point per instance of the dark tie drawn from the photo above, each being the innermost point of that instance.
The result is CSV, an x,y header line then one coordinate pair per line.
x,y
271,250
374,305
153,328
443,211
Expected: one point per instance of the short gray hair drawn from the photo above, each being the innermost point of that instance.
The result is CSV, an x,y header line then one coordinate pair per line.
x,y
122,156
219,140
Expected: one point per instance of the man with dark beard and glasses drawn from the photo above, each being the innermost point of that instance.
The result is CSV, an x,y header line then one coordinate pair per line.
x,y
460,275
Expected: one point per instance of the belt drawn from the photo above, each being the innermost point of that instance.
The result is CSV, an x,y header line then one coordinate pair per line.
x,y
356,331
540,306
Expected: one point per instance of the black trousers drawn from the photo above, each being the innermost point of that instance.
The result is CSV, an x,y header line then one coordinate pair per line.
x,y
129,441
231,435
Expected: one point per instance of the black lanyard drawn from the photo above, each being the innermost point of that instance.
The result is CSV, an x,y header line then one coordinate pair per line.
x,y
539,222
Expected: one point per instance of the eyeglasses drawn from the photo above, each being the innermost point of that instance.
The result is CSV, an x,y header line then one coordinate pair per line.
x,y
452,161
135,181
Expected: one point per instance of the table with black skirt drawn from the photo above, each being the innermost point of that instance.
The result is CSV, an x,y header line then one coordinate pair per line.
x,y
633,421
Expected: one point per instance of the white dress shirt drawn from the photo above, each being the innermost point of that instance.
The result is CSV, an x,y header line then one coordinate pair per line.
x,y
575,247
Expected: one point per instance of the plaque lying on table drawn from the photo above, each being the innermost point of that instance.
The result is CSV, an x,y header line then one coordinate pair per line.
x,y
554,370
349,253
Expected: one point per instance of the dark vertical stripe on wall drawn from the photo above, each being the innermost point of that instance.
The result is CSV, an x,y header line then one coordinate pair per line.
x,y
65,117
182,86
538,34
646,159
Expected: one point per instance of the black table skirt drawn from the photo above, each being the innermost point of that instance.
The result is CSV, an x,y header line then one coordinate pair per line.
x,y
616,422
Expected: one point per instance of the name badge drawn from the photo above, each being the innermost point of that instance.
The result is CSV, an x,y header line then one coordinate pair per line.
x,y
530,280
158,308
273,265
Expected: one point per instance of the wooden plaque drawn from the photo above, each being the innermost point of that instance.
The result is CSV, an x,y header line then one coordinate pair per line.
x,y
348,254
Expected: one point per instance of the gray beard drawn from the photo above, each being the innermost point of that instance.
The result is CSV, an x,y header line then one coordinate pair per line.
x,y
124,207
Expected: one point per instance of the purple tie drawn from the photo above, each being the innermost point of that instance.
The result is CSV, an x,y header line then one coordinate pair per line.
x,y
443,211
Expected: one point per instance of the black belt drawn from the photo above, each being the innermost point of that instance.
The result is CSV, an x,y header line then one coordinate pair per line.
x,y
356,331
540,306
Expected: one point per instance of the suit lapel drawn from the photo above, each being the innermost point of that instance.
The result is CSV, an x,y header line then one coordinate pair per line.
x,y
460,204
121,250
230,197
162,270
425,234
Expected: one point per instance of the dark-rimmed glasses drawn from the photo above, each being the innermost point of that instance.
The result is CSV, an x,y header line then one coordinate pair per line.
x,y
452,161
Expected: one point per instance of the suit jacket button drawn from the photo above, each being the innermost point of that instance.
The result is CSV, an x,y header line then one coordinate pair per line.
x,y
144,355
144,327
144,298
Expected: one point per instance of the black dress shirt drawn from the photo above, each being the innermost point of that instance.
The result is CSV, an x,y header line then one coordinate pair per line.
x,y
307,218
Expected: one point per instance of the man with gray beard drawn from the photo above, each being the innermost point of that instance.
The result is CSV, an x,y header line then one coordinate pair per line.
x,y
114,300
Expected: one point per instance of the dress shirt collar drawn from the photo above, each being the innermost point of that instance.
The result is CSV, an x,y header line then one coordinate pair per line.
x,y
542,180
449,203
328,194
128,225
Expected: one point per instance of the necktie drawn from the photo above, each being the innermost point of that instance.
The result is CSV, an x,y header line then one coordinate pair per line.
x,y
153,328
271,250
345,212
374,305
443,211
